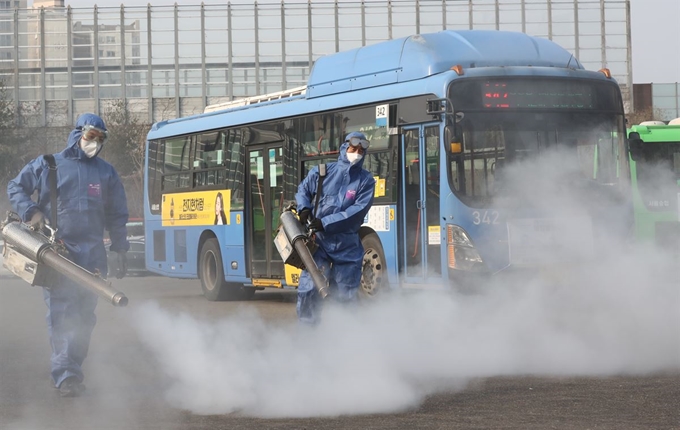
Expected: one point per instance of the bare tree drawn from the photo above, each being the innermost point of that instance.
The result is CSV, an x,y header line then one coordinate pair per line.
x,y
125,150
646,114
10,144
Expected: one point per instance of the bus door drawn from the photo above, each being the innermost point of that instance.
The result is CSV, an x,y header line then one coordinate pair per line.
x,y
265,203
421,234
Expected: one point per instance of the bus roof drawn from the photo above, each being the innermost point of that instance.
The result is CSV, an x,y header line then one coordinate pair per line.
x,y
657,133
423,55
391,62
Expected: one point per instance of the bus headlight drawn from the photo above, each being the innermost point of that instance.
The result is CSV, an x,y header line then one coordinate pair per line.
x,y
462,254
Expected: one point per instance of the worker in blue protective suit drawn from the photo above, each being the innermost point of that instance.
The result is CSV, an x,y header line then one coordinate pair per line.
x,y
346,197
90,198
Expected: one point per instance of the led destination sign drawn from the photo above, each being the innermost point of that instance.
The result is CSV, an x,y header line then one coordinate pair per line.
x,y
527,94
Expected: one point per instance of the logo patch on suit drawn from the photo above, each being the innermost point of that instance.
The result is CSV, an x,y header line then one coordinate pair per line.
x,y
94,190
350,194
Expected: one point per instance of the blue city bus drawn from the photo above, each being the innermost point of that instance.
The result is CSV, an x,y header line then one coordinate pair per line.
x,y
445,112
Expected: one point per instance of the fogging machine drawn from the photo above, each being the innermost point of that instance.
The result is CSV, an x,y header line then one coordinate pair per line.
x,y
296,246
40,259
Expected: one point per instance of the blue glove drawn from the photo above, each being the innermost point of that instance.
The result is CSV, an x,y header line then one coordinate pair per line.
x,y
316,225
122,266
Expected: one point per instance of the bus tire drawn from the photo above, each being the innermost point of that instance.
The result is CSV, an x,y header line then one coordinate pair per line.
x,y
373,269
211,273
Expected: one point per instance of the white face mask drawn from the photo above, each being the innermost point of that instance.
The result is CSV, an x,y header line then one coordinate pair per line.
x,y
354,157
89,147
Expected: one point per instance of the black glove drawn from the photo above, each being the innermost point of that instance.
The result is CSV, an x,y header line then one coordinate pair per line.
x,y
121,270
37,222
304,216
316,224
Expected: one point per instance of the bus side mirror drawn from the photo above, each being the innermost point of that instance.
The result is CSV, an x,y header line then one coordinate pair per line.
x,y
635,146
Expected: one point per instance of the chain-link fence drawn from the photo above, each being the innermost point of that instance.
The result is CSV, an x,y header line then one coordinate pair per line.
x,y
171,61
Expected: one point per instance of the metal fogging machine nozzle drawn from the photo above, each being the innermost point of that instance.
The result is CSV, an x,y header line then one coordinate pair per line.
x,y
34,257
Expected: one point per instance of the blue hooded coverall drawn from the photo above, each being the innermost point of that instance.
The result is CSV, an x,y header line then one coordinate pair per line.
x,y
90,198
346,197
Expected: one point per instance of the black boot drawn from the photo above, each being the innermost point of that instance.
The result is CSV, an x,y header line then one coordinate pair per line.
x,y
71,387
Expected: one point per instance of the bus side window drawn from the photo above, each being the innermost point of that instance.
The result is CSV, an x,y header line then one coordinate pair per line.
x,y
234,166
154,174
321,134
380,166
176,164
209,155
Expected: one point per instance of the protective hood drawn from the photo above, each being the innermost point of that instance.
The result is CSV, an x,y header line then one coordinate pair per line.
x,y
73,143
342,158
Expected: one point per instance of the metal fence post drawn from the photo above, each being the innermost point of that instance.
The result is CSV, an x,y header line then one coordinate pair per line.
x,y
178,100
603,35
363,23
284,71
417,16
95,56
576,32
123,80
149,70
230,55
337,27
43,90
17,94
498,15
309,34
550,23
257,48
69,64
204,74
443,14
389,19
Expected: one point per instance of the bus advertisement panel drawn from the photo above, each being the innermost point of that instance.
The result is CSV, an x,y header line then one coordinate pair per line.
x,y
479,139
196,208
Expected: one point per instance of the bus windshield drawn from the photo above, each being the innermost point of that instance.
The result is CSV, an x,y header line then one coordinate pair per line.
x,y
658,174
572,126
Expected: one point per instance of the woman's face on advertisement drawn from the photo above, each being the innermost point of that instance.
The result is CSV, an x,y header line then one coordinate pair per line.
x,y
218,205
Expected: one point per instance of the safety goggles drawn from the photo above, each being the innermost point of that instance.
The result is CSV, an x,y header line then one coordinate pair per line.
x,y
356,141
91,132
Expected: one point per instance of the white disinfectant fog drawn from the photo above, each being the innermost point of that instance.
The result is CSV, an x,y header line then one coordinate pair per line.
x,y
615,311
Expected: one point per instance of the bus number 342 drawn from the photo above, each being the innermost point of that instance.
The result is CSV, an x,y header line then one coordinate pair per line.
x,y
485,217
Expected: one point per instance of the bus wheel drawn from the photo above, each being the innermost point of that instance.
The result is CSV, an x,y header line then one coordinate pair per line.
x,y
211,273
373,268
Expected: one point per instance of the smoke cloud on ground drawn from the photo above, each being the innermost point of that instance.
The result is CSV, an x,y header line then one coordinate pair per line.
x,y
389,355
614,309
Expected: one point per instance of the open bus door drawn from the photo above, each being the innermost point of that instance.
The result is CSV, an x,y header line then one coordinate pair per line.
x,y
421,234
265,203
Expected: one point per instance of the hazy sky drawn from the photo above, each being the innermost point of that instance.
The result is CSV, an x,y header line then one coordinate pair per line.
x,y
655,32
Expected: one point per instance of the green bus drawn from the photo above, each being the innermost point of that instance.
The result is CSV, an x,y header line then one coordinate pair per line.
x,y
655,174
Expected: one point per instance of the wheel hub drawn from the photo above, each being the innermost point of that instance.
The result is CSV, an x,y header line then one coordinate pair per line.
x,y
371,272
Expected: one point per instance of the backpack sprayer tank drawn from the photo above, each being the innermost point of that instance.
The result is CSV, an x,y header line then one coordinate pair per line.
x,y
34,257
